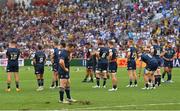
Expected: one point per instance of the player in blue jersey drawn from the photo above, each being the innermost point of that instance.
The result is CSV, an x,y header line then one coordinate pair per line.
x,y
156,53
64,73
12,54
55,63
168,55
102,65
39,62
89,63
131,64
151,67
113,65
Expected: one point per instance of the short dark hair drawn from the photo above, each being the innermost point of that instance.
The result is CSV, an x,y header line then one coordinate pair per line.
x,y
87,43
13,42
70,45
155,40
56,42
111,42
63,43
40,47
101,43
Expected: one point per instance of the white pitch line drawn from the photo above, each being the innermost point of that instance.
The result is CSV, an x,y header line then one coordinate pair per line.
x,y
122,106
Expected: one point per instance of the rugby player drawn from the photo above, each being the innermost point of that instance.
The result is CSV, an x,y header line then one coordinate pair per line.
x,y
102,65
12,54
168,55
151,67
131,64
112,65
63,71
55,62
39,62
89,63
156,53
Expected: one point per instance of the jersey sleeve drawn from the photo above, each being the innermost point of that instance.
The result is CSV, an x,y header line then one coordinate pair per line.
x,y
62,56
32,55
19,52
7,53
45,56
110,50
99,50
128,50
90,50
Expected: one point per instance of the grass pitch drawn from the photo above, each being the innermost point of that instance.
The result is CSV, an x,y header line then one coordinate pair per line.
x,y
165,97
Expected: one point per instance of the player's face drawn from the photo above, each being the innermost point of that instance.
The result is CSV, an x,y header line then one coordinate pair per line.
x,y
147,50
71,49
129,43
87,46
12,45
169,45
9,44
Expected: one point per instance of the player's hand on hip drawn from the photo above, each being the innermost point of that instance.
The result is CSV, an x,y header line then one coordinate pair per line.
x,y
66,69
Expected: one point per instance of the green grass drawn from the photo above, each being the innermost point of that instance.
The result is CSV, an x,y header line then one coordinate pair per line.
x,y
166,97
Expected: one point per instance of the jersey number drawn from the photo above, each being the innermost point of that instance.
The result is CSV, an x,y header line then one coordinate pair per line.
x,y
103,55
13,56
41,60
158,52
134,55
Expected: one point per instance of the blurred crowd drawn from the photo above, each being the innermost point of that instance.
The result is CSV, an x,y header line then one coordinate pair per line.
x,y
82,21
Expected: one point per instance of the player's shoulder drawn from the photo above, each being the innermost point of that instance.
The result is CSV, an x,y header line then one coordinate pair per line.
x,y
56,49
99,49
18,50
143,54
63,52
9,49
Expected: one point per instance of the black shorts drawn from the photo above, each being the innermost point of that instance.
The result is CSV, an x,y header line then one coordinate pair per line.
x,y
55,67
152,65
112,67
102,67
63,74
89,65
168,64
159,60
12,68
131,65
39,69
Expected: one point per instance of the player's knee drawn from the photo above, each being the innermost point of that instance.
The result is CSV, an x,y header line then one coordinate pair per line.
x,y
131,76
62,89
134,75
97,78
67,88
113,78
